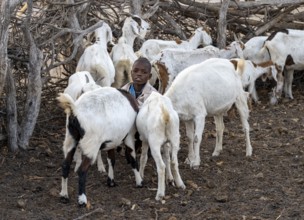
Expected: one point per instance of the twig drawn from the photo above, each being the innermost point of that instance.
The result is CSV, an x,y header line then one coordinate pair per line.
x,y
156,214
280,215
89,213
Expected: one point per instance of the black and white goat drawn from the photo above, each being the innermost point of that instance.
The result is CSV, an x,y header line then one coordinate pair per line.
x,y
79,83
101,119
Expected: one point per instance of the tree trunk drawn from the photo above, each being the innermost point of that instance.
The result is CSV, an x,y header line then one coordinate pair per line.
x,y
7,6
4,23
33,96
135,7
11,114
222,25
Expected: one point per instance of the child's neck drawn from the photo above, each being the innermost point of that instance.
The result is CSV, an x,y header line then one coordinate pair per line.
x,y
138,88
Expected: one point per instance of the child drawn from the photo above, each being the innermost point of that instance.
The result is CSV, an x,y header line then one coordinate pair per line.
x,y
140,87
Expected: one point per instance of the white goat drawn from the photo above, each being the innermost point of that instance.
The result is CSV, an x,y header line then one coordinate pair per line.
x,y
172,61
286,50
158,125
250,72
152,47
252,48
96,58
76,83
99,120
122,53
206,89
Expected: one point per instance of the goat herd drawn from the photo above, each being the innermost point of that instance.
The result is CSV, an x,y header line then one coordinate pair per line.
x,y
193,84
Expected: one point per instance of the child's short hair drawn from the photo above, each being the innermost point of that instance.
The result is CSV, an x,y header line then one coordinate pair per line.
x,y
144,61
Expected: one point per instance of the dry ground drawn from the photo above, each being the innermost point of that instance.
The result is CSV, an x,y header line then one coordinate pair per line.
x,y
268,185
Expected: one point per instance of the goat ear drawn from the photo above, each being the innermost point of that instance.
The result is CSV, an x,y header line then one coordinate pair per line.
x,y
137,19
135,28
91,36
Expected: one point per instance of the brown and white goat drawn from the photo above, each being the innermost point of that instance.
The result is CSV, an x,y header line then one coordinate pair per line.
x,y
286,50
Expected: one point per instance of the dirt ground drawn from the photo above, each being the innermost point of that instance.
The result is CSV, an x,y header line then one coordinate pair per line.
x,y
268,185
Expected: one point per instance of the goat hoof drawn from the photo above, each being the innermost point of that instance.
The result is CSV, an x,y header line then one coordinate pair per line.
x,y
64,200
83,205
182,186
215,154
159,197
111,182
195,167
140,185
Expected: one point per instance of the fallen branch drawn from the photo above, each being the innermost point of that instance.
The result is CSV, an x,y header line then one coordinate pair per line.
x,y
89,213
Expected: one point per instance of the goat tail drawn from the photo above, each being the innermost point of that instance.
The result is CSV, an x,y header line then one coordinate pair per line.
x,y
240,67
165,115
66,102
100,76
123,72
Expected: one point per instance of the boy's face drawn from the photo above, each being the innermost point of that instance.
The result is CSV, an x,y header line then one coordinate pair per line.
x,y
140,73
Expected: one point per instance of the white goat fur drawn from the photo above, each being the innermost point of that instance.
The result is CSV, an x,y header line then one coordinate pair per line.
x,y
206,89
250,72
96,58
287,52
107,119
152,47
172,61
158,125
122,53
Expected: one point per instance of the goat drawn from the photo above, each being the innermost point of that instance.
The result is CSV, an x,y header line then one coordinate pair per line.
x,y
158,125
252,48
76,83
209,88
172,61
152,47
98,120
79,83
122,53
286,50
250,72
96,58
